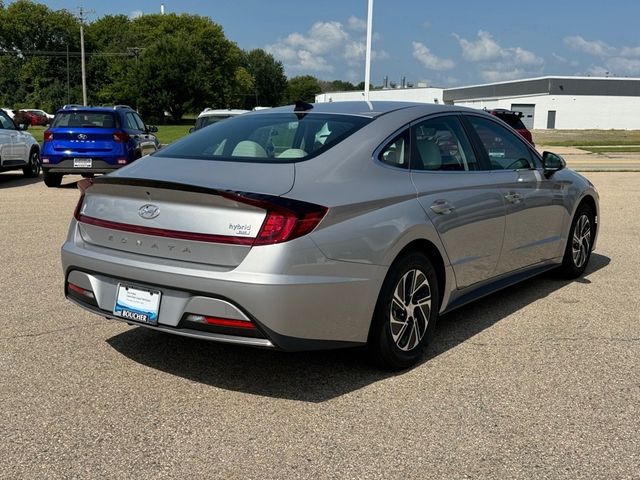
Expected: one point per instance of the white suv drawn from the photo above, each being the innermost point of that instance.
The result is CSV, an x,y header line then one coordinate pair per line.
x,y
210,116
18,149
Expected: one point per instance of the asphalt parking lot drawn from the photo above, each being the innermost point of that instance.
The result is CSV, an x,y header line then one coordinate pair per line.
x,y
539,381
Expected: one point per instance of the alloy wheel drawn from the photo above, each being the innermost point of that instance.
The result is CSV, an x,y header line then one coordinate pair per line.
x,y
410,310
581,243
34,164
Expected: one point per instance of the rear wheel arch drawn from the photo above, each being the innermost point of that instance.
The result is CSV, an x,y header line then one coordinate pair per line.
x,y
432,252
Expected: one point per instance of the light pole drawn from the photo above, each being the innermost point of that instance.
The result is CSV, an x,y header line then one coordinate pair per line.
x,y
367,61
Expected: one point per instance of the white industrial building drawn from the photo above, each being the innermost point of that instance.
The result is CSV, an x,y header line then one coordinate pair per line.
x,y
545,102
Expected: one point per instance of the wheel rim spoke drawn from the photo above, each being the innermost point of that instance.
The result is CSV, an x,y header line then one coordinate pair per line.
x,y
581,241
410,310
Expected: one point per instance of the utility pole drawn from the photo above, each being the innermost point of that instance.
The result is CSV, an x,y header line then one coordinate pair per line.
x,y
136,51
82,17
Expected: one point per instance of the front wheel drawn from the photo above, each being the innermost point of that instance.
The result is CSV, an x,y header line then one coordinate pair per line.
x,y
52,180
580,242
406,312
32,169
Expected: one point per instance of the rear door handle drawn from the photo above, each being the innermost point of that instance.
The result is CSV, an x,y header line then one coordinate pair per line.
x,y
442,207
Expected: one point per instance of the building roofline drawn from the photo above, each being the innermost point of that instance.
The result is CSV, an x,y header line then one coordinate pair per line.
x,y
546,77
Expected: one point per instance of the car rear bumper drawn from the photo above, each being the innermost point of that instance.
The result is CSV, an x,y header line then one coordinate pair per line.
x,y
326,304
66,166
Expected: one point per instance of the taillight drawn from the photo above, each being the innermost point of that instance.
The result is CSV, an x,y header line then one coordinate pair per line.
x,y
48,135
285,220
121,137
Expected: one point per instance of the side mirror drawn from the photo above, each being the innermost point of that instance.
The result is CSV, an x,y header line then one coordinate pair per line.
x,y
23,126
552,162
152,129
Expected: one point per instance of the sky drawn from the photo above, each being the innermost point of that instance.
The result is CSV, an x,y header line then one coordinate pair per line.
x,y
442,43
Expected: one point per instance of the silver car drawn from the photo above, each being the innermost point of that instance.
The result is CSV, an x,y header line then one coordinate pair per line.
x,y
325,226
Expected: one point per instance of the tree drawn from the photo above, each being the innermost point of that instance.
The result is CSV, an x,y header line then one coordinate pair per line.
x,y
34,40
170,77
303,88
336,86
270,81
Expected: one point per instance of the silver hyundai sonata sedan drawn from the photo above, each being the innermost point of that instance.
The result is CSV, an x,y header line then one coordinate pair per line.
x,y
326,226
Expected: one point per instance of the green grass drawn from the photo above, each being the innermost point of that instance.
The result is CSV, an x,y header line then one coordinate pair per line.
x,y
586,138
166,133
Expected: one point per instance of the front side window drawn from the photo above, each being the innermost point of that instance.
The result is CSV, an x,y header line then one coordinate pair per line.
x,y
440,144
504,150
5,122
274,137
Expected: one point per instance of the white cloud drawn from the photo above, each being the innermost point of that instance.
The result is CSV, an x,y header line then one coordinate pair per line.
x,y
422,53
592,47
357,24
498,63
485,48
630,52
323,45
136,14
498,75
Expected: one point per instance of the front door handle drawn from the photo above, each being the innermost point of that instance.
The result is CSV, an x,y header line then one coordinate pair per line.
x,y
442,207
513,197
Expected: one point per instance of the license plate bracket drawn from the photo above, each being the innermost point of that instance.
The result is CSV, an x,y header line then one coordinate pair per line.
x,y
137,304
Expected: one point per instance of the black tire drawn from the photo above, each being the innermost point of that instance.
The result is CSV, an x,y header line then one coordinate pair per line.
x,y
32,170
579,244
52,180
400,333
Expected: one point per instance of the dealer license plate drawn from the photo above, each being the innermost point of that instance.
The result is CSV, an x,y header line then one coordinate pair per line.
x,y
82,162
137,304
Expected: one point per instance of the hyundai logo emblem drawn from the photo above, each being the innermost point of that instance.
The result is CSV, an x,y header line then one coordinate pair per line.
x,y
82,136
149,211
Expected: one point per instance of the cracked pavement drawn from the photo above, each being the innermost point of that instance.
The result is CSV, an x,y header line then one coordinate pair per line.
x,y
538,381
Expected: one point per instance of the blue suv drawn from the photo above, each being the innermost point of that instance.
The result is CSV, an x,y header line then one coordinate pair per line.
x,y
89,140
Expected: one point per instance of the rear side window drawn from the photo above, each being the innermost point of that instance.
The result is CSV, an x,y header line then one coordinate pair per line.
x,y
396,152
269,138
84,120
132,122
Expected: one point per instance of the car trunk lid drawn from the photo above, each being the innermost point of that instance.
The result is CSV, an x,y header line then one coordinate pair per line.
x,y
183,216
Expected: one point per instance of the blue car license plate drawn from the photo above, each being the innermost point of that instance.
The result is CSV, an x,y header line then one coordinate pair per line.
x,y
137,304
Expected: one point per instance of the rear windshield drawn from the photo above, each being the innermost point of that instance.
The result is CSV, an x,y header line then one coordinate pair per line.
x,y
270,138
84,119
512,120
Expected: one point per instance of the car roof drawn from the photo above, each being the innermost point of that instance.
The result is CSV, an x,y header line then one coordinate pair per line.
x,y
81,108
367,109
